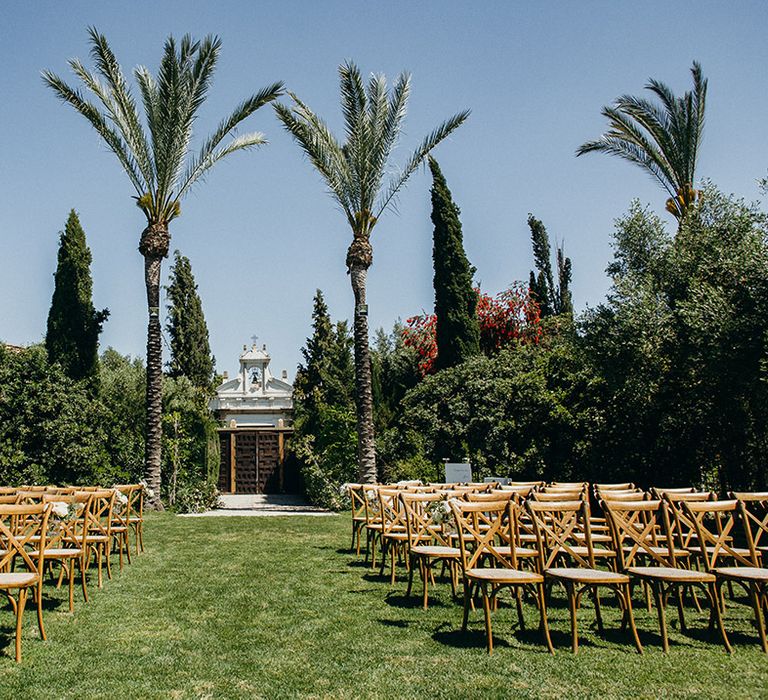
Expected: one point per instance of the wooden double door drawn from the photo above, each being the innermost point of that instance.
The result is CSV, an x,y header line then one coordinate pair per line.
x,y
251,461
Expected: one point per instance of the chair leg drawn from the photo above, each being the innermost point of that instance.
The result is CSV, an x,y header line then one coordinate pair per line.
x,y
19,613
598,610
519,604
630,617
71,583
99,551
570,589
127,545
410,579
40,624
467,598
658,590
713,596
754,593
680,611
83,578
426,571
487,611
543,623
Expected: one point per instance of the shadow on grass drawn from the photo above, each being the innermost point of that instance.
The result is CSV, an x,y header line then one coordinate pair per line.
x,y
471,639
402,624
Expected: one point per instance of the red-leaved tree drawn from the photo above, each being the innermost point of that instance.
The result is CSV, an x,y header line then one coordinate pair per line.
x,y
509,316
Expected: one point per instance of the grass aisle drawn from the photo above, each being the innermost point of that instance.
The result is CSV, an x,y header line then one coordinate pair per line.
x,y
275,607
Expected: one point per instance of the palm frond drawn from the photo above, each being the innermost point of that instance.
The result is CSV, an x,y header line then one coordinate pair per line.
x,y
322,149
100,124
202,161
440,133
122,106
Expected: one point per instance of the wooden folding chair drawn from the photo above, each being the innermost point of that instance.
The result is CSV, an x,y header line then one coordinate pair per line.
x,y
428,519
481,527
23,531
634,527
714,522
567,556
357,504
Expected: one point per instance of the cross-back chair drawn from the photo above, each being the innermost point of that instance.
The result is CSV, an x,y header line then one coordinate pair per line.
x,y
23,530
394,535
716,523
567,556
635,527
481,528
756,513
98,536
428,525
66,538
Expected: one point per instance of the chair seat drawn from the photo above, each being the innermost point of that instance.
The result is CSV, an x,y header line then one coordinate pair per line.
x,y
118,528
504,576
746,573
376,527
135,519
435,551
667,573
587,575
525,552
17,580
660,551
62,552
97,538
741,551
582,551
399,536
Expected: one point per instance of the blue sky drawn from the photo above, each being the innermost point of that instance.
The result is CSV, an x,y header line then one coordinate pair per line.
x,y
262,234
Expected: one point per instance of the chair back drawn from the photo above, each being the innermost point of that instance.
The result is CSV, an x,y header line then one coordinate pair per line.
x,y
558,496
559,527
428,518
682,526
626,486
714,522
755,513
482,527
67,522
391,510
640,530
23,531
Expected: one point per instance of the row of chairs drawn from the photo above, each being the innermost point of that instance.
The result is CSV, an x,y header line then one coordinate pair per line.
x,y
531,535
45,527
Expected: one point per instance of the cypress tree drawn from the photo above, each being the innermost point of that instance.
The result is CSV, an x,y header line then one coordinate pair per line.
x,y
190,348
457,328
552,299
72,337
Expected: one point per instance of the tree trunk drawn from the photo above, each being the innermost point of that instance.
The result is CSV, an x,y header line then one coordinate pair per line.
x,y
155,241
366,447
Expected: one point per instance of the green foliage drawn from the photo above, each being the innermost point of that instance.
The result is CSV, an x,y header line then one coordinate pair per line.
x,y
325,439
457,330
682,345
395,369
552,299
529,412
188,476
50,428
121,393
72,338
190,349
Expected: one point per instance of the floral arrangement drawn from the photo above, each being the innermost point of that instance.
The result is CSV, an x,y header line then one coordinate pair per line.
x,y
439,511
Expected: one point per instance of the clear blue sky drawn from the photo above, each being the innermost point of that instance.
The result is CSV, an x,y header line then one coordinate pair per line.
x,y
262,234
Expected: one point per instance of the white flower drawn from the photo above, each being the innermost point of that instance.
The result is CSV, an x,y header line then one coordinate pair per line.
x,y
150,493
344,489
121,498
439,511
60,509
74,510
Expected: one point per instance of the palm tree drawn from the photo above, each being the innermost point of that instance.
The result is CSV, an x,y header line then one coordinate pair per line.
x,y
355,174
663,139
158,162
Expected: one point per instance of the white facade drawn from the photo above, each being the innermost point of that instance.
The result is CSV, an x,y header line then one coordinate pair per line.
x,y
254,398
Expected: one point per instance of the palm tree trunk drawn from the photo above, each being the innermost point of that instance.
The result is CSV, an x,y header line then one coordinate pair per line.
x,y
154,247
366,448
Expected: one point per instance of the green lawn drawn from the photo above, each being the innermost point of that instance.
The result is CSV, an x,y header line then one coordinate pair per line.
x,y
276,607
